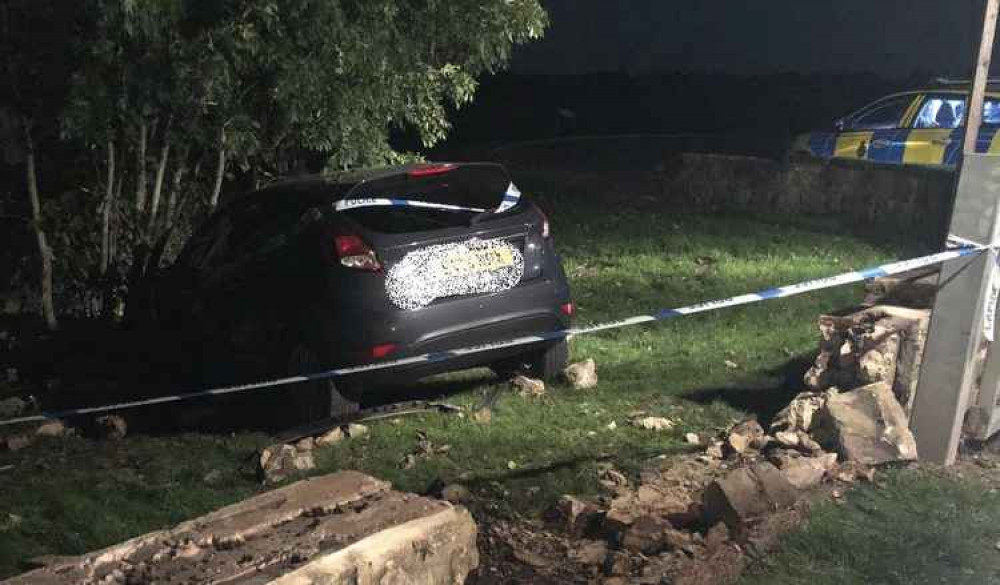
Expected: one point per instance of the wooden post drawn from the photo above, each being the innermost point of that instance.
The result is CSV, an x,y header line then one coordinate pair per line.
x,y
975,106
955,341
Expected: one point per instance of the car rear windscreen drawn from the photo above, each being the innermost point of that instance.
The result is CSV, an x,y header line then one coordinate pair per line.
x,y
428,198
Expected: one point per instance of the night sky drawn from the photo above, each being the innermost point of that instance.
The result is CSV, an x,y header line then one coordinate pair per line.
x,y
889,37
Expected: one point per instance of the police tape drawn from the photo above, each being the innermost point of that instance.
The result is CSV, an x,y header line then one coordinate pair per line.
x,y
968,249
510,198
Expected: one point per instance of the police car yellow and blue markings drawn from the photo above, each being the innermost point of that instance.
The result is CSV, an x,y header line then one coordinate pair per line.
x,y
905,144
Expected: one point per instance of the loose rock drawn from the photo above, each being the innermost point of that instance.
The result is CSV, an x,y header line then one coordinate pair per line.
x,y
744,436
867,425
653,423
280,461
647,535
112,427
455,493
582,375
331,437
747,493
787,438
612,480
528,387
576,516
692,439
806,472
800,413
53,429
356,431
590,552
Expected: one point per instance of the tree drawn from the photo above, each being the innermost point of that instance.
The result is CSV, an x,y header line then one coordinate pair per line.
x,y
169,98
36,55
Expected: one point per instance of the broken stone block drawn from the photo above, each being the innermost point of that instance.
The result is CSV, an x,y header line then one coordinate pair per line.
x,y
52,429
799,414
339,528
112,427
456,493
590,552
879,344
621,513
915,289
806,443
717,536
331,437
356,431
582,375
277,462
612,480
787,438
743,436
576,516
692,439
647,535
807,472
528,387
653,423
617,563
747,493
866,425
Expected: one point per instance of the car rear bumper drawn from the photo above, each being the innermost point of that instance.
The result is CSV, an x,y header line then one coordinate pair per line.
x,y
532,308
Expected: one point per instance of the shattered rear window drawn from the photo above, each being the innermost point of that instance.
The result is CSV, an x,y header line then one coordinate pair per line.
x,y
450,196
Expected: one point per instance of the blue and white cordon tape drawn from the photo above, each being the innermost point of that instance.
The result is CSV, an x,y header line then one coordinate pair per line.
x,y
510,198
967,248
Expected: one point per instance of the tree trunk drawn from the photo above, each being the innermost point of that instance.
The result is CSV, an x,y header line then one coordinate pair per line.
x,y
220,171
109,203
140,170
48,308
161,171
175,189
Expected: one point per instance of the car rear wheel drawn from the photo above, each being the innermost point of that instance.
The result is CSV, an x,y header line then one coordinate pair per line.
x,y
316,399
546,364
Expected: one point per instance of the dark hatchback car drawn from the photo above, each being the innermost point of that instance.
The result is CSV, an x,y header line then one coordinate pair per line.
x,y
323,272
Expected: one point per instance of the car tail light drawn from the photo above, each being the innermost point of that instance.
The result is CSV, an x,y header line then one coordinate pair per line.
x,y
567,309
380,351
353,252
429,170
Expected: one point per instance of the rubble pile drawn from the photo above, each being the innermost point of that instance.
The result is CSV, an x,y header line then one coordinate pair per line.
x,y
730,499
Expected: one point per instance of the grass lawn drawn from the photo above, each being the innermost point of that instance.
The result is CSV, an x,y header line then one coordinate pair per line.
x,y
919,527
76,495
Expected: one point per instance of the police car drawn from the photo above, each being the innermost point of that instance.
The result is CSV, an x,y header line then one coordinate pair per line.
x,y
923,127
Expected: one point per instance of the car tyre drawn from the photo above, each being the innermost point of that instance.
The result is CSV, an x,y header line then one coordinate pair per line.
x,y
546,364
316,399
549,363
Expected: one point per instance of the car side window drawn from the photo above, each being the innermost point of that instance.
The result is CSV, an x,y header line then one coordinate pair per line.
x,y
941,111
882,115
991,113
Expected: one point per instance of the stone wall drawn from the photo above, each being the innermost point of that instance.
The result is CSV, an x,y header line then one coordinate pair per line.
x,y
915,199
